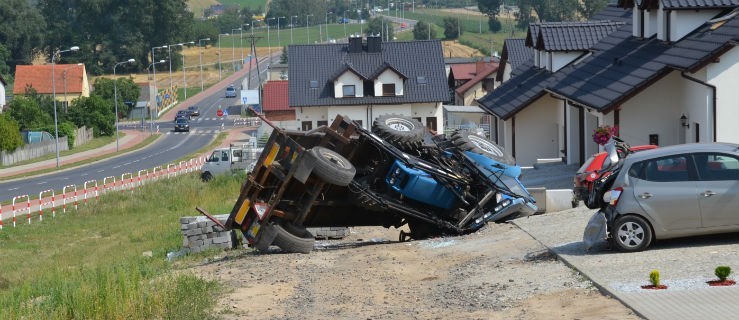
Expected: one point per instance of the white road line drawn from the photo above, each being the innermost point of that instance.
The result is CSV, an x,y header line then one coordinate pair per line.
x,y
116,167
84,174
101,170
11,189
40,183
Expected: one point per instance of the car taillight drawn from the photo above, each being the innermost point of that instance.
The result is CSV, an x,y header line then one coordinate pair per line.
x,y
615,194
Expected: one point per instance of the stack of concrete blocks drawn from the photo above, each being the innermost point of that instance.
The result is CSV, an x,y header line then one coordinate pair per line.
x,y
329,232
201,233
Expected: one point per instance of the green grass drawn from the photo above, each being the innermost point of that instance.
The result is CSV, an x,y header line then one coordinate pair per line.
x,y
253,4
88,264
300,36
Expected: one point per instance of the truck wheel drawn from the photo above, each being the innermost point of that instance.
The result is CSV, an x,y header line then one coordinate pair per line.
x,y
467,141
300,241
403,132
332,167
206,176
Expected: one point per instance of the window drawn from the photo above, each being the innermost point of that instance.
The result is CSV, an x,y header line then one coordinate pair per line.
x,y
388,89
322,123
668,169
422,80
314,84
348,91
306,125
717,167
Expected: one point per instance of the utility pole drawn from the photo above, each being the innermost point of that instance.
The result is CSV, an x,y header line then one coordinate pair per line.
x,y
253,46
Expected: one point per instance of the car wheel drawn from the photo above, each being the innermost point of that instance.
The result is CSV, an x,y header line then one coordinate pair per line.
x,y
300,240
467,141
631,233
206,176
332,167
403,132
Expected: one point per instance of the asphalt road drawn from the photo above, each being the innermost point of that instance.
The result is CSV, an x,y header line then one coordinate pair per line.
x,y
170,147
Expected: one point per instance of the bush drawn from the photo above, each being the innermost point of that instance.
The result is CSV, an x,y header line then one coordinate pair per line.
x,y
654,278
10,136
722,272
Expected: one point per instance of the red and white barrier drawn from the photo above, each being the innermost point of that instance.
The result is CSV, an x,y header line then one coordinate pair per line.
x,y
73,188
41,204
125,184
27,207
183,166
154,175
1,216
89,184
171,170
146,176
108,183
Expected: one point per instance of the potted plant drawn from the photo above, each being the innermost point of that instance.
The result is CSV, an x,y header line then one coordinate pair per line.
x,y
603,133
655,282
722,273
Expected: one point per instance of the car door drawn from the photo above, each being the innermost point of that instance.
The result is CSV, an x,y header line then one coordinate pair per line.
x,y
667,193
718,188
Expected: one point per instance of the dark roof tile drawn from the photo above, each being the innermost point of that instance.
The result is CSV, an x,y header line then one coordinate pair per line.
x,y
573,36
699,4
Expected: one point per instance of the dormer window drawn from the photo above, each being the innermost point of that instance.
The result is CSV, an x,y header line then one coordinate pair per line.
x,y
349,91
422,80
314,84
388,89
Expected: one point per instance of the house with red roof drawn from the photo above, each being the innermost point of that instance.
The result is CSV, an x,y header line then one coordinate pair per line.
x,y
70,81
275,101
472,81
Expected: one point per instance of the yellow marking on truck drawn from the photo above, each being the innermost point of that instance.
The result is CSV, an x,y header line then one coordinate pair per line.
x,y
272,154
242,211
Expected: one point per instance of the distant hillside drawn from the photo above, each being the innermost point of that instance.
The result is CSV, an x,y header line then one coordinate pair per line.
x,y
197,6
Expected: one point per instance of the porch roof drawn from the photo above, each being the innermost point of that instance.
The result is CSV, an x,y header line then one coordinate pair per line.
x,y
518,92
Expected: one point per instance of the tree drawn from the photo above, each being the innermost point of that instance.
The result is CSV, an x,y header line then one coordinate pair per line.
x,y
490,8
28,113
382,27
589,8
283,56
423,31
127,91
4,67
93,112
552,11
524,16
21,32
451,28
10,136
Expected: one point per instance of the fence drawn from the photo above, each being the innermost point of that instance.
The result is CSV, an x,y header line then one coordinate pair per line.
x,y
40,149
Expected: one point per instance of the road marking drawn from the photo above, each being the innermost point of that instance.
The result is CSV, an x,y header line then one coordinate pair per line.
x,y
40,183
84,174
116,167
101,170
11,189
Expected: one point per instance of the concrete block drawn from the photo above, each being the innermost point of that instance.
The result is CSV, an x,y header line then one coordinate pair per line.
x,y
540,195
186,220
191,232
195,249
196,243
221,239
558,200
202,224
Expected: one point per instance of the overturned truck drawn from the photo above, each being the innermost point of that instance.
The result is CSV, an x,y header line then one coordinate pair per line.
x,y
397,174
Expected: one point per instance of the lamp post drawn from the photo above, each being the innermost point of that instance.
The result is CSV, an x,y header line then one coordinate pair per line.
x,y
279,43
241,41
291,28
151,109
53,88
233,49
184,78
201,61
307,30
64,76
156,85
169,57
269,43
219,54
115,97
344,21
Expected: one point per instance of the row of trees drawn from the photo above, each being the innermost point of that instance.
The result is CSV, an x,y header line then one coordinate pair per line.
x,y
35,112
545,10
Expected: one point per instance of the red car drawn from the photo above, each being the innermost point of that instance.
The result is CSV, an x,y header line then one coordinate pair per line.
x,y
596,167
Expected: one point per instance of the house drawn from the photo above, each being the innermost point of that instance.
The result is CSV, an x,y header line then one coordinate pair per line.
x,y
515,53
275,101
3,84
70,81
667,76
472,81
363,80
277,71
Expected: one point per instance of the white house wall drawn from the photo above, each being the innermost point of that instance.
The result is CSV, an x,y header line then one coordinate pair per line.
x,y
685,21
389,76
313,114
348,78
2,97
537,131
561,59
367,114
725,76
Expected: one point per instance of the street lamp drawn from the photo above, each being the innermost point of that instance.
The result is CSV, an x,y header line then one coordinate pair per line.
x,y
53,88
307,30
169,57
201,61
291,28
344,21
269,43
279,43
151,109
219,54
115,97
156,90
233,49
184,78
241,41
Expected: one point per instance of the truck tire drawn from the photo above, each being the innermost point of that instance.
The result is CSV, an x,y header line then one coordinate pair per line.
x,y
206,176
403,132
299,241
468,141
332,167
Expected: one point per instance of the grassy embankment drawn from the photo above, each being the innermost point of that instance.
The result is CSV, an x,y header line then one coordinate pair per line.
x,y
89,264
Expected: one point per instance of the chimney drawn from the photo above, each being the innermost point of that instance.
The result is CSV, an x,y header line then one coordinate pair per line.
x,y
374,44
355,44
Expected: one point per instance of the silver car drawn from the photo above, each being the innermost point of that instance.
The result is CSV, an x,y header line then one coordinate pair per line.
x,y
675,191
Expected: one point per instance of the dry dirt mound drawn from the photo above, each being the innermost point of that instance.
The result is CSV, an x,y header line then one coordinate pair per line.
x,y
453,49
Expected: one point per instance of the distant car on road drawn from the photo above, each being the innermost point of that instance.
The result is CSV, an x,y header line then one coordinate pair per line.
x,y
182,124
194,111
231,92
182,114
675,191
